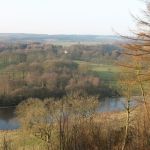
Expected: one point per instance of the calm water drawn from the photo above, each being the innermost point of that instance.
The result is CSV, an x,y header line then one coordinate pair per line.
x,y
8,121
112,104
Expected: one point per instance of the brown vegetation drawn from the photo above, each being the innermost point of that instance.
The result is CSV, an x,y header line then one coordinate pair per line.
x,y
75,131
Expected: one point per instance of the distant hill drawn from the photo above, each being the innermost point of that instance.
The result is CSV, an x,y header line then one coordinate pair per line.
x,y
57,38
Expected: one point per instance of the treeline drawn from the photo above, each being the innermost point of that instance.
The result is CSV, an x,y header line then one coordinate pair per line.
x,y
41,71
104,53
47,79
43,80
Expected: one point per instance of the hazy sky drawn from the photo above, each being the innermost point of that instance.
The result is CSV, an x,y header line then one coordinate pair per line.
x,y
67,16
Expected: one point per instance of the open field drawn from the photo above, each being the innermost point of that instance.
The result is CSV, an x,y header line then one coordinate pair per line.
x,y
69,43
108,73
18,140
107,70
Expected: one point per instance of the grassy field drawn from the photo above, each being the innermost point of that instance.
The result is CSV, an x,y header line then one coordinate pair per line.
x,y
108,73
2,66
19,140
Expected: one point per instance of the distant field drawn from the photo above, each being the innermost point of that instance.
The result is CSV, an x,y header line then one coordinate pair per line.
x,y
21,37
69,43
2,66
106,72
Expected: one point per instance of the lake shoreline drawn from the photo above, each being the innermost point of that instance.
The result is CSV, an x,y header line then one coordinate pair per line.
x,y
108,105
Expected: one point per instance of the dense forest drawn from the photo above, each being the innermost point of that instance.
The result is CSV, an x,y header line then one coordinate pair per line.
x,y
41,70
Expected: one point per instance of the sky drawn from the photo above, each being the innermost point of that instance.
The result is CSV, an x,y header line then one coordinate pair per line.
x,y
68,16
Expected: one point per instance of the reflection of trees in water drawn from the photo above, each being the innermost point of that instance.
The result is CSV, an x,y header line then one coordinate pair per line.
x,y
111,104
116,104
7,114
7,119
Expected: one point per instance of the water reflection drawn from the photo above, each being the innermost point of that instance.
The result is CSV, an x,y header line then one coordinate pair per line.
x,y
111,104
7,119
116,104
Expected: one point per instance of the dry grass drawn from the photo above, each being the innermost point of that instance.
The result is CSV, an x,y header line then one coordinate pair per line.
x,y
102,131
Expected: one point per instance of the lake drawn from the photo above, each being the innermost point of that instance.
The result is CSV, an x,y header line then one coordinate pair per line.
x,y
8,121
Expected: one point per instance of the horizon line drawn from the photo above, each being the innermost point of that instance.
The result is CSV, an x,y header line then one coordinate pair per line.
x,y
58,34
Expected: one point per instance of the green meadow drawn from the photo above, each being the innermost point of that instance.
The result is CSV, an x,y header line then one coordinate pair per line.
x,y
108,73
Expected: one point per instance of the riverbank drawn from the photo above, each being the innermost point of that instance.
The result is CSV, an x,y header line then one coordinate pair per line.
x,y
105,126
22,140
8,121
